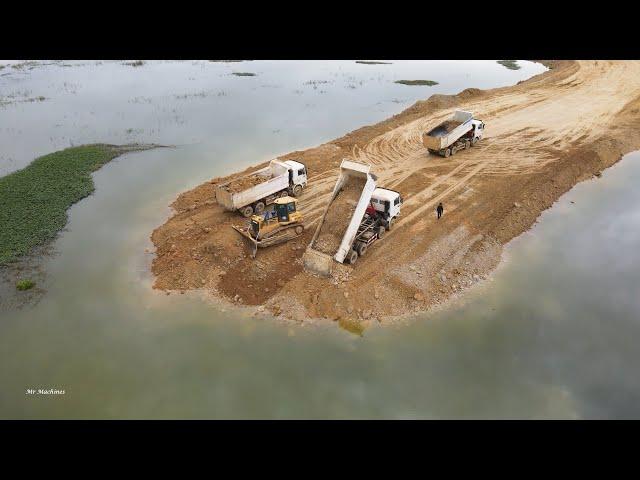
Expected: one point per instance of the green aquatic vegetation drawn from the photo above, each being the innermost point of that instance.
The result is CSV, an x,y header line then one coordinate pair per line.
x,y
35,199
429,83
25,284
510,64
371,62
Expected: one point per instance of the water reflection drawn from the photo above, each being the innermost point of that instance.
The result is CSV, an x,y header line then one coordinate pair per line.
x,y
553,335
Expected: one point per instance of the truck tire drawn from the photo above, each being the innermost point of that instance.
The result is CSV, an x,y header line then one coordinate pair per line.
x,y
297,190
299,229
447,152
381,232
389,223
352,257
361,248
247,211
258,208
474,141
283,193
454,150
467,144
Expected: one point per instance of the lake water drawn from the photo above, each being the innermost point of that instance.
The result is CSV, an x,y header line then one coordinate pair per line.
x,y
552,335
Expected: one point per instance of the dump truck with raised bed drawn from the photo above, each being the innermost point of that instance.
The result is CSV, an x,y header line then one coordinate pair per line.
x,y
351,220
457,133
253,192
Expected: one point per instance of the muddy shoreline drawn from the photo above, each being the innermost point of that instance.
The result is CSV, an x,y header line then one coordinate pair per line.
x,y
536,149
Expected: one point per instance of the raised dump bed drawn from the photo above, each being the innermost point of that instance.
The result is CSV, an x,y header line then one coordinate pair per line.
x,y
341,219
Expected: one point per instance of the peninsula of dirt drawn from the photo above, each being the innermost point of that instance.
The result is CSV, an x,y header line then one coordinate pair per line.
x,y
542,136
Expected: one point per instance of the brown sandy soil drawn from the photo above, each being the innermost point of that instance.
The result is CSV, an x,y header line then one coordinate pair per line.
x,y
542,137
339,216
245,182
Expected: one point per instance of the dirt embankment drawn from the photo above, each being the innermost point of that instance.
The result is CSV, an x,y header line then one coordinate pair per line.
x,y
542,137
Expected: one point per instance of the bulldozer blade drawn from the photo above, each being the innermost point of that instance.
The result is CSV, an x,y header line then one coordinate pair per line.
x,y
254,244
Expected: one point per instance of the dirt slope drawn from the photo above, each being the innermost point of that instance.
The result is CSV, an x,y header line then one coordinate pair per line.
x,y
542,136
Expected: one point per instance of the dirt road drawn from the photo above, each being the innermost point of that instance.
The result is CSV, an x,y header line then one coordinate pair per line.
x,y
542,137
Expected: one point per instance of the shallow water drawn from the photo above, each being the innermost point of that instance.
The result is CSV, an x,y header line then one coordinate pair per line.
x,y
551,336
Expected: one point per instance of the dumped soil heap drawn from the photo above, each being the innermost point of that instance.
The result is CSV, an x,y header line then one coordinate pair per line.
x,y
542,137
339,216
444,129
245,183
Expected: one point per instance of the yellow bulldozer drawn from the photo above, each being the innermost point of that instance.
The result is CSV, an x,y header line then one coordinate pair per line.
x,y
284,223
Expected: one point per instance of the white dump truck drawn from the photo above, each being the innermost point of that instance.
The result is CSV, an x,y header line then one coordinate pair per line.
x,y
368,214
252,193
457,133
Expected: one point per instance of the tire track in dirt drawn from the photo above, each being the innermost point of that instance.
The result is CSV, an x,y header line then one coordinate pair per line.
x,y
529,156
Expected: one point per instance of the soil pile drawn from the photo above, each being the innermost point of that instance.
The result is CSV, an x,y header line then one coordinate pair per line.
x,y
245,183
444,128
339,216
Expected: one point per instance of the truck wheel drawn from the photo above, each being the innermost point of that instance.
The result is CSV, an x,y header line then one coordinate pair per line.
x,y
299,229
258,208
467,144
283,193
361,249
381,232
474,141
453,150
389,223
352,257
297,190
447,152
247,211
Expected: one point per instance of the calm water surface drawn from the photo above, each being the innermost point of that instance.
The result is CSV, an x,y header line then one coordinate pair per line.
x,y
553,335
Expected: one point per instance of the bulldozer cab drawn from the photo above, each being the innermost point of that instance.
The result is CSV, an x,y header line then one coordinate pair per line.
x,y
285,208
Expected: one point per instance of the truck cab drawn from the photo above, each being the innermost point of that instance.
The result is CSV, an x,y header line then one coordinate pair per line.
x,y
387,204
297,176
478,130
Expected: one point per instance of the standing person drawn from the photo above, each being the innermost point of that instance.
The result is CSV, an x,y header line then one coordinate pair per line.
x,y
440,210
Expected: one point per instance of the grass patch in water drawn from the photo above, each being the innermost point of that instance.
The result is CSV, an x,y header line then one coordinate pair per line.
x,y
372,62
510,64
25,285
244,74
429,83
35,199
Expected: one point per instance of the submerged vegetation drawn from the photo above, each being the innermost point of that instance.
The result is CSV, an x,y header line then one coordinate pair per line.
x,y
35,199
429,83
510,64
25,284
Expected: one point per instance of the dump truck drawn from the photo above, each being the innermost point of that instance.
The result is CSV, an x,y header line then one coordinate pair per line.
x,y
459,132
381,213
352,219
284,223
253,192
